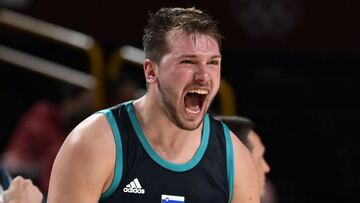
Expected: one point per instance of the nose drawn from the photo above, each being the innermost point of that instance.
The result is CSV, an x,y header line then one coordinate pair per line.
x,y
201,74
266,166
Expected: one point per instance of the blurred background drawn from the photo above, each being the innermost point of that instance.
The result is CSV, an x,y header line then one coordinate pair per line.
x,y
289,65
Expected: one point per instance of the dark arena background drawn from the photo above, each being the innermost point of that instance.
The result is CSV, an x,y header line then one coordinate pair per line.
x,y
291,64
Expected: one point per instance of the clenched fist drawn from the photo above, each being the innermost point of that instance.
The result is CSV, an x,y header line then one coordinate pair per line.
x,y
22,191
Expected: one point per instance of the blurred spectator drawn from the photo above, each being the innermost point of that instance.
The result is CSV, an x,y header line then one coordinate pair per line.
x,y
41,131
15,4
127,87
243,128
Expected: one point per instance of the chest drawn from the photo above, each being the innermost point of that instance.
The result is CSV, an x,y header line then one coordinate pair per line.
x,y
151,183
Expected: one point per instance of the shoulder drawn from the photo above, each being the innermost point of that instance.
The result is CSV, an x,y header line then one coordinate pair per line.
x,y
246,187
242,156
91,140
87,158
91,133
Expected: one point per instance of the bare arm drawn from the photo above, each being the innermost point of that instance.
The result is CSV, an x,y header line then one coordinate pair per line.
x,y
246,186
83,168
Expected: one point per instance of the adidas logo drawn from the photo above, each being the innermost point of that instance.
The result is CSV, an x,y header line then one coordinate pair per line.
x,y
134,187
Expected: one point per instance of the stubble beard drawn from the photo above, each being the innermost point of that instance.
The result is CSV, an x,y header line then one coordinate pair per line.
x,y
170,109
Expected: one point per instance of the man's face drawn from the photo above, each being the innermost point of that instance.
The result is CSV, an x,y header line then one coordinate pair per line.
x,y
188,77
257,152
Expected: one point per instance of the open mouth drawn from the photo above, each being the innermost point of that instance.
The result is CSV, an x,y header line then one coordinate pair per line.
x,y
194,100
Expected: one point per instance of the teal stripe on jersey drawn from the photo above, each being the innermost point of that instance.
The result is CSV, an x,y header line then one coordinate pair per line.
x,y
168,165
118,160
229,160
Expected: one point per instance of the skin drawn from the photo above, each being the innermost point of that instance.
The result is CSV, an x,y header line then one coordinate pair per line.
x,y
257,153
22,190
193,63
87,159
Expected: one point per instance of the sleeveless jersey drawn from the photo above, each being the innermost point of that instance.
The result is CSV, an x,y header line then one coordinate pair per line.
x,y
143,176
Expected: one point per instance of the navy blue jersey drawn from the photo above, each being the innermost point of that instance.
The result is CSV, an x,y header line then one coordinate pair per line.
x,y
143,176
5,178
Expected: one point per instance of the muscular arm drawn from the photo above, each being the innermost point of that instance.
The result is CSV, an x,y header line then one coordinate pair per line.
x,y
83,168
246,187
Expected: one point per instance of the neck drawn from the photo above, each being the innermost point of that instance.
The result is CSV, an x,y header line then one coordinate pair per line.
x,y
167,139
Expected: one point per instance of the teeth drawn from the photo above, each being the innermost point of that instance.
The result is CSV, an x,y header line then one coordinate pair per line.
x,y
193,112
199,91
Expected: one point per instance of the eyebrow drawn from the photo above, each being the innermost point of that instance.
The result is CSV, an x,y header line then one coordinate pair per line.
x,y
195,56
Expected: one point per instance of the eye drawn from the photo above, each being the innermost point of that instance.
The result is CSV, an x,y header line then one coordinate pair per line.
x,y
214,62
187,61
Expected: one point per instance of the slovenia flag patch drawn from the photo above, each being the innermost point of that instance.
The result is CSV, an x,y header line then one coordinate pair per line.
x,y
172,199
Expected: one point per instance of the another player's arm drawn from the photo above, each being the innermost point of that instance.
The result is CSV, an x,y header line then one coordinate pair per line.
x,y
246,184
83,168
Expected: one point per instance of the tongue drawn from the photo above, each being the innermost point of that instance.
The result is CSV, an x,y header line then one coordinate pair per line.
x,y
192,101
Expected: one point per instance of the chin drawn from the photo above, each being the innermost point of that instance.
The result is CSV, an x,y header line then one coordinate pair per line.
x,y
262,190
190,124
262,193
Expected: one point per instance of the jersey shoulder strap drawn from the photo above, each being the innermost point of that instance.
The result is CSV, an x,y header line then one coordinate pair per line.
x,y
110,117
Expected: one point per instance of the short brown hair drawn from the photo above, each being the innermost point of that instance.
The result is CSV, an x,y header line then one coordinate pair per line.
x,y
190,20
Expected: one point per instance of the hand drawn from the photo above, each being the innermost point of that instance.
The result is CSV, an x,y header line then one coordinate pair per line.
x,y
22,191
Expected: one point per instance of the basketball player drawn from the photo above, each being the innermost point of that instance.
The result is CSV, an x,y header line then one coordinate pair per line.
x,y
243,128
163,147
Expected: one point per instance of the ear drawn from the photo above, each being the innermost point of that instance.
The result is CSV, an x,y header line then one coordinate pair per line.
x,y
150,71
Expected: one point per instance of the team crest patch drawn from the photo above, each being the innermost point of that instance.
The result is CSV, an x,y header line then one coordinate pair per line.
x,y
172,199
